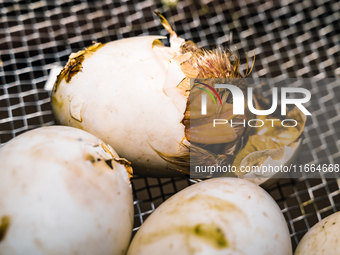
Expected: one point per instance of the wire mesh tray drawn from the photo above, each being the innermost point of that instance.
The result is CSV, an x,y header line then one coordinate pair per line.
x,y
290,38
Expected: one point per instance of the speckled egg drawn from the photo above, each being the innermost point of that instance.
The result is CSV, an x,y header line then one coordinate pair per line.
x,y
322,238
63,191
217,216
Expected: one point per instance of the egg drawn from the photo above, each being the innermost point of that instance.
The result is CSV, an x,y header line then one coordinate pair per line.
x,y
63,191
216,216
139,96
322,238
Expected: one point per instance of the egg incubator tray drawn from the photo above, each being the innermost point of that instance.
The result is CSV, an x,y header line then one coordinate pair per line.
x,y
290,38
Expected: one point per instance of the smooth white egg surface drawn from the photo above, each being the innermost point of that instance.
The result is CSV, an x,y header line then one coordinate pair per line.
x,y
63,191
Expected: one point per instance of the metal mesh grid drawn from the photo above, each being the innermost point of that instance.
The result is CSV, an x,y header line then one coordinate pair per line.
x,y
290,38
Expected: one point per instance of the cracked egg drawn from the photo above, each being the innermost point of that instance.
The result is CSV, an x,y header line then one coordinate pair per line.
x,y
135,95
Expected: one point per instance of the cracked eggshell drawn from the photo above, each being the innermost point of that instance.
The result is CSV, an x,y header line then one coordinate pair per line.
x,y
322,238
217,216
126,95
59,196
268,178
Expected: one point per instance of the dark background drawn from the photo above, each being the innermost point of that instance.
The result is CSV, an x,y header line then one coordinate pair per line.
x,y
296,39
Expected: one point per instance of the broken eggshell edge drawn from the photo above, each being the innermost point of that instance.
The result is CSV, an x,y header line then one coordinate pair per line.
x,y
119,122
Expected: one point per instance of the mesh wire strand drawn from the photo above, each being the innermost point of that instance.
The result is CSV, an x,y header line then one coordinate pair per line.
x,y
289,39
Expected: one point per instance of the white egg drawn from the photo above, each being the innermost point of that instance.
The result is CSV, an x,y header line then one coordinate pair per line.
x,y
63,191
322,238
217,216
133,94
